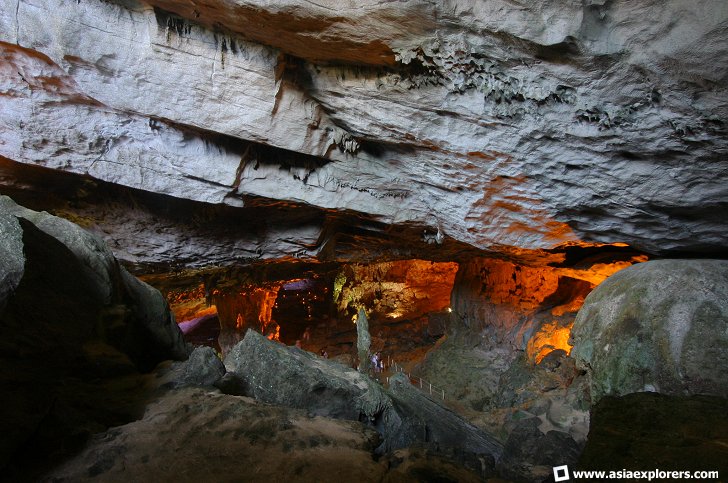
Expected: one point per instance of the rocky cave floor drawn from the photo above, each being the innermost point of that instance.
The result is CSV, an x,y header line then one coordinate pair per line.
x,y
187,422
99,385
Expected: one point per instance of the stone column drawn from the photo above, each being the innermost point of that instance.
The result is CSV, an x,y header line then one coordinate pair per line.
x,y
363,340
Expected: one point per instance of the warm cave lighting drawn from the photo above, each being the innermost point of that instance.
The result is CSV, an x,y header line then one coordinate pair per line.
x,y
550,338
449,309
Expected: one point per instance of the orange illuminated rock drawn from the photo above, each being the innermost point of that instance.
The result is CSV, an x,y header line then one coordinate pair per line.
x,y
243,309
403,289
548,339
190,304
526,308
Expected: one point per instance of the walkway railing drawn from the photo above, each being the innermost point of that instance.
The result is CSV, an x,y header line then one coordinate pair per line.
x,y
418,382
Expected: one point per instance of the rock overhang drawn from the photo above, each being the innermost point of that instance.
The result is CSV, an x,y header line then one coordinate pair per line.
x,y
504,132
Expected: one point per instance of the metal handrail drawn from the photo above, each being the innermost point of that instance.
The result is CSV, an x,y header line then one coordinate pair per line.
x,y
418,382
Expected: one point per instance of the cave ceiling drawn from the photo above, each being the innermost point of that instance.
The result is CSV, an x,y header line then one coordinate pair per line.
x,y
193,135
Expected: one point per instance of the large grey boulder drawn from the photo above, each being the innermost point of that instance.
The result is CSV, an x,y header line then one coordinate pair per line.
x,y
274,373
123,311
657,326
202,369
529,454
71,318
153,330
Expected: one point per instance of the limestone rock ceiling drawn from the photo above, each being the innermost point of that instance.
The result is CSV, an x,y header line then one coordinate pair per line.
x,y
485,124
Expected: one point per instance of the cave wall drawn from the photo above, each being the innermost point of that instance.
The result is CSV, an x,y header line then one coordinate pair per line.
x,y
70,318
404,289
249,307
510,305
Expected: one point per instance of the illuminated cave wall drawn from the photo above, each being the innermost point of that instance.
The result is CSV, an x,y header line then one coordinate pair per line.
x,y
190,304
526,308
404,289
248,307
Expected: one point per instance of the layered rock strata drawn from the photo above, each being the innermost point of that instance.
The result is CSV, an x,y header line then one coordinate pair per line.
x,y
509,127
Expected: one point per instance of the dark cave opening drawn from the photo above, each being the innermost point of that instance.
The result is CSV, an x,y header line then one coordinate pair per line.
x,y
302,307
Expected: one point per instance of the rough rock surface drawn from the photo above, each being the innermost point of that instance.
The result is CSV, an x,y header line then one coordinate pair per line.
x,y
132,315
363,340
70,319
657,326
277,374
502,313
12,260
494,124
215,437
530,455
209,436
440,426
644,431
202,368
404,289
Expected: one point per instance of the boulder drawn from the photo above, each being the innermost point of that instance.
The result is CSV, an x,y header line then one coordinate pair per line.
x,y
658,326
274,373
72,318
203,368
154,334
530,455
12,259
277,374
644,431
122,310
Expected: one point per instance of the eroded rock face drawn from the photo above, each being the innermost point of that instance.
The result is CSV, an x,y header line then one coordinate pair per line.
x,y
506,353
512,127
508,304
658,326
243,309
